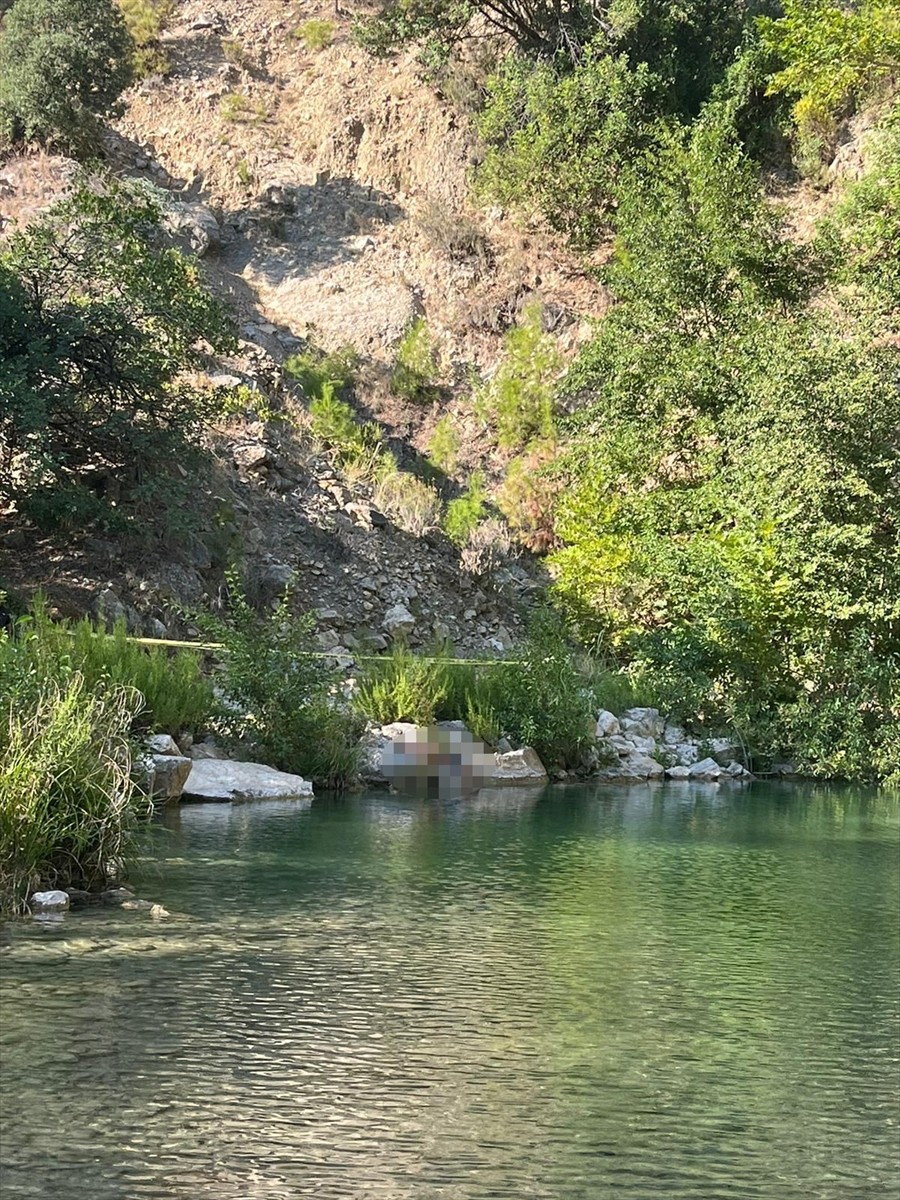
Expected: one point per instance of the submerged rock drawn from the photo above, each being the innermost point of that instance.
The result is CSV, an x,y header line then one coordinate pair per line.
x,y
223,780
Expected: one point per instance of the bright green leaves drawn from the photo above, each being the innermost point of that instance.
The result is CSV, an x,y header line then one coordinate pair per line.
x,y
834,55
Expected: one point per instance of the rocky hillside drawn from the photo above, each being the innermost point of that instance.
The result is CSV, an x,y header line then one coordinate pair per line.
x,y
327,197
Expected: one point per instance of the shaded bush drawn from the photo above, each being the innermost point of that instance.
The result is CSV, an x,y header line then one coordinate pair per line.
x,y
281,697
518,401
466,511
409,502
416,364
63,64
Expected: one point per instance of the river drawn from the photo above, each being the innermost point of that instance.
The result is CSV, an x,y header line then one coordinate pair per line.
x,y
575,994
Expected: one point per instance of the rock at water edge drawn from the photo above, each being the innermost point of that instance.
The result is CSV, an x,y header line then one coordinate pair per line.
x,y
45,902
219,779
517,766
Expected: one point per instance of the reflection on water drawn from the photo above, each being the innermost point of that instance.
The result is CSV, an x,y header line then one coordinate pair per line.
x,y
575,994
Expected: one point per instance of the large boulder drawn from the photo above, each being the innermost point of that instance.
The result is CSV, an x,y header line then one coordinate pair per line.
x,y
46,902
517,766
224,781
167,775
194,228
607,724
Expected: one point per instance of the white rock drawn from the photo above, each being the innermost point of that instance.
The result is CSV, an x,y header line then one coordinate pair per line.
x,y
622,745
737,771
673,734
636,769
686,753
643,721
722,750
645,745
678,772
222,780
607,724
161,743
517,766
398,619
707,768
43,902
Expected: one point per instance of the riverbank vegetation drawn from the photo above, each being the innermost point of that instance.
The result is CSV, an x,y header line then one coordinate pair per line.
x,y
713,482
721,460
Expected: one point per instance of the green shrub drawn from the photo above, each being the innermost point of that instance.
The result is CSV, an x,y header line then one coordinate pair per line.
x,y
173,694
557,139
99,326
313,370
834,56
145,20
409,502
281,698
315,33
68,803
519,400
443,448
353,444
466,511
402,686
238,107
63,64
416,365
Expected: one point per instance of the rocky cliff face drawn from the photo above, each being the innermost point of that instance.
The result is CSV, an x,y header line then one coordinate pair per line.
x,y
327,198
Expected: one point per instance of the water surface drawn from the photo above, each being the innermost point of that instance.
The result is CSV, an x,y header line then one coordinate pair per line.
x,y
579,993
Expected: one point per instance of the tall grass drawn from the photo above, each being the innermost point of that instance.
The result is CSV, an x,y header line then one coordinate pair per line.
x,y
68,803
541,697
174,693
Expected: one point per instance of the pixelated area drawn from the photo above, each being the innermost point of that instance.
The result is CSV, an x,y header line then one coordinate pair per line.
x,y
437,762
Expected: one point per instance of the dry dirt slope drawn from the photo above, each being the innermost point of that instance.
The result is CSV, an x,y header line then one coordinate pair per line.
x,y
341,187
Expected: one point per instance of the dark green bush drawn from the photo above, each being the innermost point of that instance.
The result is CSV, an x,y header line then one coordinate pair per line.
x,y
98,324
63,64
281,698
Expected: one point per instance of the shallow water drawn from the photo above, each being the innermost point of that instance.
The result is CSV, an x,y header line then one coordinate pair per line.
x,y
581,993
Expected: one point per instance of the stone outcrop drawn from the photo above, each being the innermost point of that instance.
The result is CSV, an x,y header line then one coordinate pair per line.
x,y
641,745
225,781
167,769
517,766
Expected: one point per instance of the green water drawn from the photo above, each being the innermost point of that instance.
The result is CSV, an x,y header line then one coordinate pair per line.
x,y
579,994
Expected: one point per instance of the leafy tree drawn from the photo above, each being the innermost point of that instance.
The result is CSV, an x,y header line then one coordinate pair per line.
x,y
99,320
729,519
63,63
557,139
833,55
536,26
